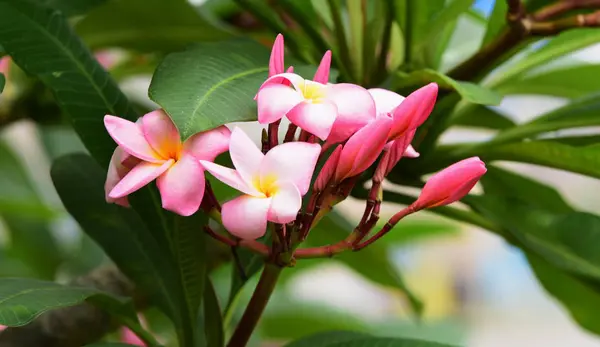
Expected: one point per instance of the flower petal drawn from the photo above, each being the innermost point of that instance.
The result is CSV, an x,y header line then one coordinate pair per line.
x,y
4,65
322,74
129,137
317,119
182,186
285,78
292,161
142,174
246,157
116,171
274,101
355,108
229,177
328,170
161,133
285,204
207,145
385,101
246,216
410,152
414,110
276,64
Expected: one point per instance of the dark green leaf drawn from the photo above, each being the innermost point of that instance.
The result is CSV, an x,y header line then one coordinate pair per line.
x,y
148,25
583,160
325,339
580,298
213,321
41,42
72,7
371,262
23,299
109,344
2,82
484,117
468,91
122,234
496,21
568,82
31,241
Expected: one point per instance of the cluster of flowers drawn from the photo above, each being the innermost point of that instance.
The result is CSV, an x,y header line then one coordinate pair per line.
x,y
354,124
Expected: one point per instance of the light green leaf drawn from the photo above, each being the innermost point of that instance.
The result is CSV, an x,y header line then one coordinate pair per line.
x,y
480,116
496,21
372,262
565,43
41,42
568,82
468,91
583,160
24,299
325,339
147,25
387,342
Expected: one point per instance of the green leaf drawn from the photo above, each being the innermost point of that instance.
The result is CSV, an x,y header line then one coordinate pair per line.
x,y
123,236
213,321
496,21
109,344
484,117
41,42
565,43
583,160
372,262
2,82
358,341
580,298
147,25
468,91
30,239
568,82
72,7
24,299
325,339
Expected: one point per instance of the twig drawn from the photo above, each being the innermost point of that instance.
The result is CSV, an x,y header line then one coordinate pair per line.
x,y
273,134
558,26
562,7
252,245
290,133
386,228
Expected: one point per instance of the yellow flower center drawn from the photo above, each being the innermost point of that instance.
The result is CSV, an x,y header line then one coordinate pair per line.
x,y
267,185
313,91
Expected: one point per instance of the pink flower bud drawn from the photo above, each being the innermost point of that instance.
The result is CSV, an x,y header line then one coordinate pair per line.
x,y
363,148
414,110
4,65
328,170
451,184
127,336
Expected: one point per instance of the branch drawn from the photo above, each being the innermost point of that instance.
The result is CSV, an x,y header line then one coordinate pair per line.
x,y
252,245
578,21
516,10
562,7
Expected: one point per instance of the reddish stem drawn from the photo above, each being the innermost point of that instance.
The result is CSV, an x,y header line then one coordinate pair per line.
x,y
290,133
252,245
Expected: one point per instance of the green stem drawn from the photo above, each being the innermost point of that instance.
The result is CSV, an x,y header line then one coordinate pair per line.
x,y
256,306
340,33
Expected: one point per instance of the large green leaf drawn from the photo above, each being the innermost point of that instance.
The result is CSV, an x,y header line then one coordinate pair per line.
x,y
480,116
126,240
496,21
213,321
583,160
325,339
30,241
2,82
148,25
567,82
372,262
563,44
41,42
24,299
581,298
468,91
72,7
358,341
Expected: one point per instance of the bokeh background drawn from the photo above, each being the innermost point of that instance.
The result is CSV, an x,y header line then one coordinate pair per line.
x,y
477,289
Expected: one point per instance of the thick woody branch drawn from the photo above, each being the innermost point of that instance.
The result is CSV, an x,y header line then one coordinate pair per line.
x,y
562,7
516,10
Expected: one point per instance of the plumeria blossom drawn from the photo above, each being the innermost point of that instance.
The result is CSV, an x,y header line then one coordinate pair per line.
x,y
273,183
451,184
151,149
4,64
129,337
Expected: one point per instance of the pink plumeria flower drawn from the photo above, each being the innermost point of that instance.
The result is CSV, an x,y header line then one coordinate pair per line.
x,y
154,151
4,65
413,110
129,337
329,111
451,184
273,183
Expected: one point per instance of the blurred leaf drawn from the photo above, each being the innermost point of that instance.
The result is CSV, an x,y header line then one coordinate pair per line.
x,y
72,7
323,11
372,262
109,344
125,239
565,43
567,82
60,140
301,319
30,239
579,297
484,117
25,299
397,47
576,141
213,321
326,339
2,82
468,91
418,18
497,181
583,160
496,21
387,342
148,25
414,230
41,42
